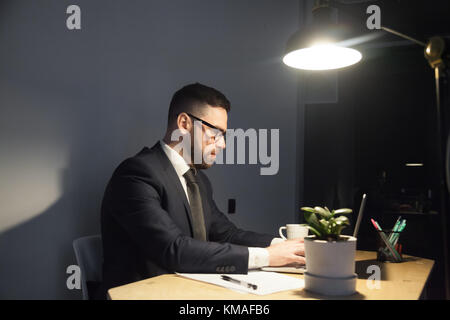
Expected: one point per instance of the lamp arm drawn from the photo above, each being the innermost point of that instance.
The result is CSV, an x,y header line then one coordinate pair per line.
x,y
423,44
435,48
328,4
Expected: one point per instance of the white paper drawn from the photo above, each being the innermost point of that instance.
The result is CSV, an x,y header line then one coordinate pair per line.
x,y
267,282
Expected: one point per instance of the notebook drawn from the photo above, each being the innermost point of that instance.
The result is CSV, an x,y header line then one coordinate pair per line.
x,y
266,282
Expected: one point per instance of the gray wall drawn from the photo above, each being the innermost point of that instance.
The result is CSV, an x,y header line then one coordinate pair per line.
x,y
73,104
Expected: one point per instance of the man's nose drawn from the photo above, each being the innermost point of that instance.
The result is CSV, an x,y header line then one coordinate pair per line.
x,y
221,143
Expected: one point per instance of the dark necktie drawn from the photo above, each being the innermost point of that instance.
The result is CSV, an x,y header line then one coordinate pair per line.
x,y
195,202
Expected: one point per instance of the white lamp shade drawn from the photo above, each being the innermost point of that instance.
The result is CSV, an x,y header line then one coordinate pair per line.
x,y
322,57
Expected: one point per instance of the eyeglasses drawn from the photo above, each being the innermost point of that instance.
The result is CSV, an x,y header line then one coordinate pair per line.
x,y
221,133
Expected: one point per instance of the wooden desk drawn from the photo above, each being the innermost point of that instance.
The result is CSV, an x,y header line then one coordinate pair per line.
x,y
404,281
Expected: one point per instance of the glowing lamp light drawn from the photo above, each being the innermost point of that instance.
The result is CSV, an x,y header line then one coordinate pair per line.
x,y
322,57
323,44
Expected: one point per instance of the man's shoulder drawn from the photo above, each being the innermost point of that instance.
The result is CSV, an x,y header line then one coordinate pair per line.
x,y
144,162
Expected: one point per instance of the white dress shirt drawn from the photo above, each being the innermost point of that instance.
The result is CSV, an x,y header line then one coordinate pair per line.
x,y
257,257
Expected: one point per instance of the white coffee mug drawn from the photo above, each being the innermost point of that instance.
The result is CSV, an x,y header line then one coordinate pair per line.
x,y
294,231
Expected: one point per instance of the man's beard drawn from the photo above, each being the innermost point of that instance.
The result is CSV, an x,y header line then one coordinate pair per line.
x,y
199,166
203,165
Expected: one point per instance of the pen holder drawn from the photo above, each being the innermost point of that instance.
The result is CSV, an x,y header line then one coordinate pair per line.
x,y
384,253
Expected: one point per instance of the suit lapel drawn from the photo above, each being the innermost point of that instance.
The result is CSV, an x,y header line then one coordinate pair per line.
x,y
173,179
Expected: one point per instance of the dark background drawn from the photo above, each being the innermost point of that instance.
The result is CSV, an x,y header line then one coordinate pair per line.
x,y
384,117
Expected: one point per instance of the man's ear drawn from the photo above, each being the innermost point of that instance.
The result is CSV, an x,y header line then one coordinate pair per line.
x,y
183,122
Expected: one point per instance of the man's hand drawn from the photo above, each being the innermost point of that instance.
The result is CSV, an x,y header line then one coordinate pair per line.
x,y
287,253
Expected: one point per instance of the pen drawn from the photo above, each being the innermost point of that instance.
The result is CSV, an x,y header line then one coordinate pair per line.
x,y
242,283
374,223
377,226
403,225
400,229
395,229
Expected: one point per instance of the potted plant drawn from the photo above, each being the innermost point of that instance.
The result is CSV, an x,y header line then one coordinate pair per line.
x,y
330,256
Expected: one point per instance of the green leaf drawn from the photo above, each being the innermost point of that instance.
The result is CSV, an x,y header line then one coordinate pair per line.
x,y
339,230
331,213
343,211
325,224
329,226
317,233
342,220
324,213
312,221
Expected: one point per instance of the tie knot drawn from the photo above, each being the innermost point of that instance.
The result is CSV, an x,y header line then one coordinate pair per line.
x,y
190,175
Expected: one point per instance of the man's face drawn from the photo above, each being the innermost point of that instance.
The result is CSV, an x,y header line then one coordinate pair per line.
x,y
209,140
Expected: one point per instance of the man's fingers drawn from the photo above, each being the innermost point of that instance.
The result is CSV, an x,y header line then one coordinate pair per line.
x,y
298,260
301,260
299,249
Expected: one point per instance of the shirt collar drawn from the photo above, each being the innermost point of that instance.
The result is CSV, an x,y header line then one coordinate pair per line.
x,y
178,162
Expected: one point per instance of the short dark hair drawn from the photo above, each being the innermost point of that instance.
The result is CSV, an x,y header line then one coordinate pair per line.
x,y
194,96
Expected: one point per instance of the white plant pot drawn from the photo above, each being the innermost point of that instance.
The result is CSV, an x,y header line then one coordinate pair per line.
x,y
330,266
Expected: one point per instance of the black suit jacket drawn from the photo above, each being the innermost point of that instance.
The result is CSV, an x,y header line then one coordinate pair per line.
x,y
147,227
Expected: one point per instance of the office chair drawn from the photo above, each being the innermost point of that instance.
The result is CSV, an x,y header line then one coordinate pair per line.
x,y
89,255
